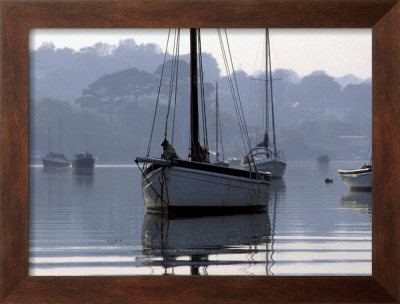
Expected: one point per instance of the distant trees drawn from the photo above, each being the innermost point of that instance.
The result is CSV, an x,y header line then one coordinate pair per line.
x,y
81,130
63,73
115,90
183,81
111,91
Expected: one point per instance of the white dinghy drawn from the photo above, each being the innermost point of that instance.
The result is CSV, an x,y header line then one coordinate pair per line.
x,y
357,179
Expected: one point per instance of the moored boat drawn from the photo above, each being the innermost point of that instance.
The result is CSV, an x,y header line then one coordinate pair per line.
x,y
266,157
83,160
357,179
323,158
265,160
55,160
169,184
172,183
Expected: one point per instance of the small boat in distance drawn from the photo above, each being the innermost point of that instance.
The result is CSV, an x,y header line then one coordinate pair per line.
x,y
83,160
265,160
266,157
323,158
55,160
357,179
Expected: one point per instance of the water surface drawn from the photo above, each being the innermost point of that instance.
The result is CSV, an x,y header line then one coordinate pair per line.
x,y
95,223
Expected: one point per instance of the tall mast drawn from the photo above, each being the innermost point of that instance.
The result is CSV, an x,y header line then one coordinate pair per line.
x,y
49,139
266,84
216,120
272,95
60,136
194,103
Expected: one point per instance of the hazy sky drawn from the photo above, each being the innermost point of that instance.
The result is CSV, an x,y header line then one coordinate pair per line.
x,y
337,51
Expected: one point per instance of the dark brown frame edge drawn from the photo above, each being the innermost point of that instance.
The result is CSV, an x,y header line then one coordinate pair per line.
x,y
17,17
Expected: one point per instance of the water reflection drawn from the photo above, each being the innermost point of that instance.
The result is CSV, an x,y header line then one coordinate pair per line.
x,y
278,189
83,172
323,166
277,195
83,176
55,191
358,201
199,245
95,223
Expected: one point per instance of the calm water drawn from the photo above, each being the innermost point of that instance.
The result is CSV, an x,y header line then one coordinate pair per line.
x,y
84,223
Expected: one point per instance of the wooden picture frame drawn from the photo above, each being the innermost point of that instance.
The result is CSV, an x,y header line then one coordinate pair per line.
x,y
18,16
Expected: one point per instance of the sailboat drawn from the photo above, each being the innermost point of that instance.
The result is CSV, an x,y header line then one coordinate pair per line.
x,y
358,179
55,160
171,183
217,131
83,160
267,158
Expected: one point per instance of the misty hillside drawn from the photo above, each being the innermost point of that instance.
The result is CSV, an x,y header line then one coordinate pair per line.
x,y
105,97
64,73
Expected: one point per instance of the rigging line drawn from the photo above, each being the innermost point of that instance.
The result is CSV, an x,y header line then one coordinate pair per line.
x,y
176,84
234,97
164,178
163,243
220,137
158,96
241,108
204,121
266,87
231,88
171,83
202,95
368,152
201,84
237,88
148,182
272,95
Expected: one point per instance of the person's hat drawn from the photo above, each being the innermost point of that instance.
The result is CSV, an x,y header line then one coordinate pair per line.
x,y
165,142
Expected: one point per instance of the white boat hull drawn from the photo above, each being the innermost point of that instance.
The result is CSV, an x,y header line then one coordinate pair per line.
x,y
275,167
168,187
357,179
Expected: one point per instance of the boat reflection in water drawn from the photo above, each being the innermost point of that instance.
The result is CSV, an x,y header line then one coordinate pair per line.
x,y
359,201
83,177
203,245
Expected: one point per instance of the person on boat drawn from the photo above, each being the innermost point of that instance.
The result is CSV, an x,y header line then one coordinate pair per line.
x,y
205,155
168,150
200,154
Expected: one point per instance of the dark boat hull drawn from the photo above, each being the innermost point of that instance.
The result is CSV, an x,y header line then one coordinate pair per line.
x,y
55,160
55,164
83,163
